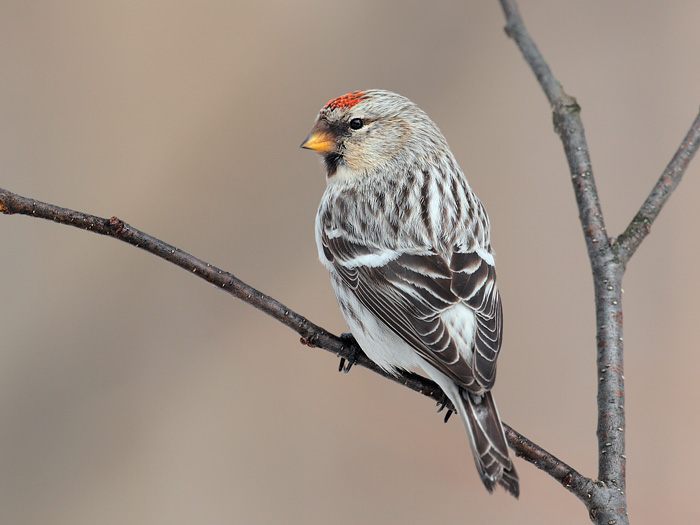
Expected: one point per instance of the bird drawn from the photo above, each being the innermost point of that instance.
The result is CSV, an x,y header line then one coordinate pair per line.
x,y
407,245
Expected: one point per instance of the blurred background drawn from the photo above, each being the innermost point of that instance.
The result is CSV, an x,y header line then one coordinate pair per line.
x,y
132,392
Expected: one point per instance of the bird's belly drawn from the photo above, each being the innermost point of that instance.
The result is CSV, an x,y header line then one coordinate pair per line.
x,y
377,340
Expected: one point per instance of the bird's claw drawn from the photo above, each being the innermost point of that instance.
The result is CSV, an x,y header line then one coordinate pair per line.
x,y
349,342
442,407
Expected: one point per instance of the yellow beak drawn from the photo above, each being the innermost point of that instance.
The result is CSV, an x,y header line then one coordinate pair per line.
x,y
319,141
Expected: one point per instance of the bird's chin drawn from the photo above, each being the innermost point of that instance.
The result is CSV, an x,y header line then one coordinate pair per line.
x,y
333,162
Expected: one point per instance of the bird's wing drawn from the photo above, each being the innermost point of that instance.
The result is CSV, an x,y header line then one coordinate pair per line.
x,y
415,296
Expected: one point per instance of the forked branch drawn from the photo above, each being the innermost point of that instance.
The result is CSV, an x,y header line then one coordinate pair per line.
x,y
607,501
628,242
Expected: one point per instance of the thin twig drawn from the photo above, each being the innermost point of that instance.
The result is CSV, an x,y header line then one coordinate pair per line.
x,y
311,334
579,485
628,242
515,29
568,124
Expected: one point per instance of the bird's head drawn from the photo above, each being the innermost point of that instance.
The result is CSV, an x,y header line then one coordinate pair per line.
x,y
368,132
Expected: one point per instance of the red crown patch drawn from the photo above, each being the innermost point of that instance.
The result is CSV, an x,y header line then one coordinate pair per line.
x,y
346,101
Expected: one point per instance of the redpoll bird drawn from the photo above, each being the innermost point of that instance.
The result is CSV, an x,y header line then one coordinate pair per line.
x,y
407,245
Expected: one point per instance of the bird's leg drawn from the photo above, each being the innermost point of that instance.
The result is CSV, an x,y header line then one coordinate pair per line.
x,y
350,343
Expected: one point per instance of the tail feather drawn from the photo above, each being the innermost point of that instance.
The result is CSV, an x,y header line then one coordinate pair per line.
x,y
509,481
488,440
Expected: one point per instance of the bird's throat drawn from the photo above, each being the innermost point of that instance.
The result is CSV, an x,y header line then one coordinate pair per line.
x,y
333,162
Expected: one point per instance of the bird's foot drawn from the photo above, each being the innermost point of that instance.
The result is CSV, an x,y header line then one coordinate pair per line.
x,y
442,405
349,342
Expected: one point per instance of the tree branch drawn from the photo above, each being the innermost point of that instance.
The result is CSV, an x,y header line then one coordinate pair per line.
x,y
607,502
579,485
628,242
311,334
569,127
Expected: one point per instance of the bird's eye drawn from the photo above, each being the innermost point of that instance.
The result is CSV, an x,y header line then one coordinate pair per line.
x,y
356,123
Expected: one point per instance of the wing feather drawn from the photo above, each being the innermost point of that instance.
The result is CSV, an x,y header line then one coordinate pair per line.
x,y
410,292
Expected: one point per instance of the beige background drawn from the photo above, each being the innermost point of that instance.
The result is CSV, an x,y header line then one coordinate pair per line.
x,y
131,392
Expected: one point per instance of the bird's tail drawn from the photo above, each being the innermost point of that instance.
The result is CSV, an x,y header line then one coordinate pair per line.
x,y
488,441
